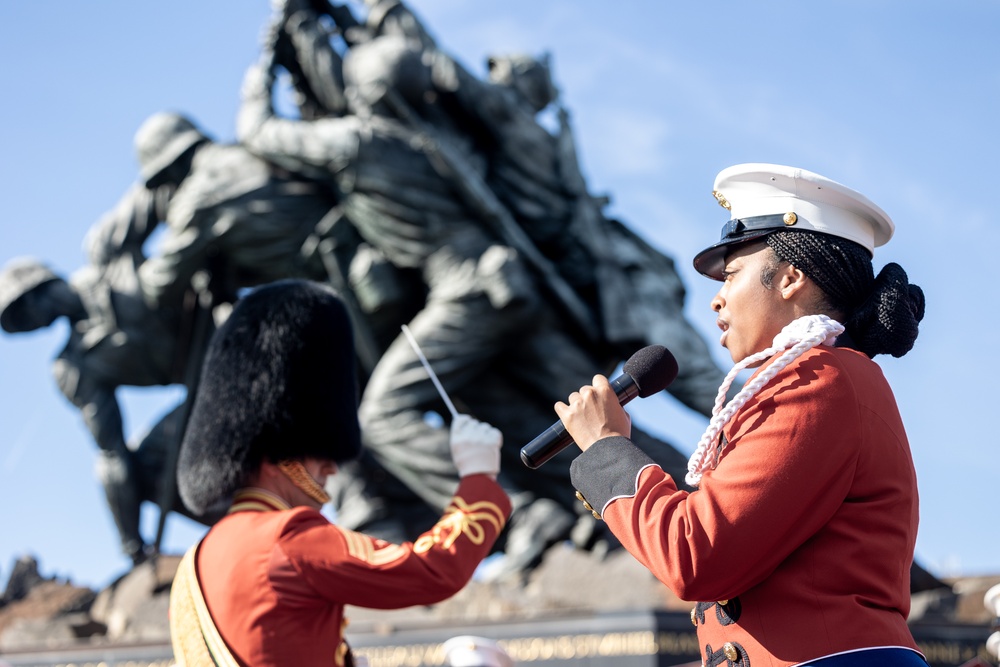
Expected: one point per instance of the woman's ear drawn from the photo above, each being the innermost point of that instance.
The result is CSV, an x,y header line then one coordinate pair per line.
x,y
792,281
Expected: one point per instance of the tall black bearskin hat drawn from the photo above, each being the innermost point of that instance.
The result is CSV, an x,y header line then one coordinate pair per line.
x,y
278,382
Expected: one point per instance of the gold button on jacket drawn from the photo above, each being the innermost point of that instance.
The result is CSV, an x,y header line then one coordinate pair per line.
x,y
731,652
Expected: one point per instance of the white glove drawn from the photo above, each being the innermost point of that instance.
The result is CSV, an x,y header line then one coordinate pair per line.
x,y
475,446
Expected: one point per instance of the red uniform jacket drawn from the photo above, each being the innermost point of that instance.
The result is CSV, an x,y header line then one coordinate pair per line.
x,y
276,582
799,544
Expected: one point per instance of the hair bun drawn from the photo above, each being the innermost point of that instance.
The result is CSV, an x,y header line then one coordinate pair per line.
x,y
887,323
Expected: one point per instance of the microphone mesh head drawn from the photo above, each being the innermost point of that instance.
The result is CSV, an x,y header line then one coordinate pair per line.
x,y
653,368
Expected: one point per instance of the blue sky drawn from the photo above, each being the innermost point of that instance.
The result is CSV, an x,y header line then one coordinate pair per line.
x,y
896,99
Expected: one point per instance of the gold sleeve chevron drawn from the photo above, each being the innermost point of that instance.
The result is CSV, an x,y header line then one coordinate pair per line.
x,y
461,518
373,552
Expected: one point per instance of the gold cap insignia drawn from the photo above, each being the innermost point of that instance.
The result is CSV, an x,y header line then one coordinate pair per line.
x,y
723,202
790,218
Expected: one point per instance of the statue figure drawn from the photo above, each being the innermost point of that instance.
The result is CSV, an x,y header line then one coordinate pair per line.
x,y
390,114
228,211
114,340
533,173
232,220
536,175
479,295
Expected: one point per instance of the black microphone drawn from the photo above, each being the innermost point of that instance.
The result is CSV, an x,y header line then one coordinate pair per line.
x,y
647,372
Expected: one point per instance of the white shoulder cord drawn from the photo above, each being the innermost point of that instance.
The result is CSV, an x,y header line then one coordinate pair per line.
x,y
797,337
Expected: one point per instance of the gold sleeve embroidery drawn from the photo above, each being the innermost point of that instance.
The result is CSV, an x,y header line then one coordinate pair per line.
x,y
461,518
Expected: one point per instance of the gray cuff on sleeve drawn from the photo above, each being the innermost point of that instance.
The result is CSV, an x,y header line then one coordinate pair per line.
x,y
608,470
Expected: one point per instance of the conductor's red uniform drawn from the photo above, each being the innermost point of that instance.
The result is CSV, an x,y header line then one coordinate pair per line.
x,y
276,580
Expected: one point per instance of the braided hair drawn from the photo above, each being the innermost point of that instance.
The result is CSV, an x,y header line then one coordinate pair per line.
x,y
880,313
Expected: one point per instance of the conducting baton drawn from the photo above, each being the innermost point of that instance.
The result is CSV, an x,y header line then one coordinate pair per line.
x,y
430,371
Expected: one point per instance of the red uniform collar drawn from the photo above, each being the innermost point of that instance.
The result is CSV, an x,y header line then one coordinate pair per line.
x,y
257,500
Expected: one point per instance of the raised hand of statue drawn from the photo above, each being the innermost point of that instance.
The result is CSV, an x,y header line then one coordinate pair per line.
x,y
272,33
259,77
341,14
286,8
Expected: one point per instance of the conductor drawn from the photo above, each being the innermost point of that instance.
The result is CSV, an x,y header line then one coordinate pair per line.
x,y
275,414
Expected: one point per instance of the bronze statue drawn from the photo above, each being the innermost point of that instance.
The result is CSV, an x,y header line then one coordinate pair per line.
x,y
397,131
426,197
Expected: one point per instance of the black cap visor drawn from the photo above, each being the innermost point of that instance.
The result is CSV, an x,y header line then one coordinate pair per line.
x,y
711,261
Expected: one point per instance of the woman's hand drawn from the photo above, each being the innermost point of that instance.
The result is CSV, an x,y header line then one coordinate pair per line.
x,y
594,413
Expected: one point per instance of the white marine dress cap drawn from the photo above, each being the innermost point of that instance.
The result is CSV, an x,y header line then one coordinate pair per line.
x,y
470,651
765,198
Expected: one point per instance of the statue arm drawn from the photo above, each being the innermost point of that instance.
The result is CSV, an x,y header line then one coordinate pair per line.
x,y
569,161
96,401
487,104
184,250
125,228
256,108
315,67
394,17
311,148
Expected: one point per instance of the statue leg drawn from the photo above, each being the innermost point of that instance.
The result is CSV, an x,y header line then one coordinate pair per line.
x,y
115,468
459,336
116,474
517,397
150,452
525,383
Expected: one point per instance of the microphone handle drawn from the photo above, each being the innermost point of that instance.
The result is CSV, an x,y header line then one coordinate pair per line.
x,y
625,388
556,438
552,440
